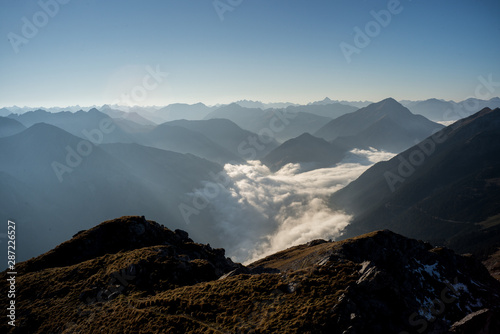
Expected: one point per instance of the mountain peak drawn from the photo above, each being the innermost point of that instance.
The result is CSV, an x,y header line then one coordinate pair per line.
x,y
305,136
387,107
388,102
42,127
380,280
352,124
109,237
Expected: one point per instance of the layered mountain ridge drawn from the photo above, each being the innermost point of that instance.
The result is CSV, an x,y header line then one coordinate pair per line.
x,y
129,275
444,189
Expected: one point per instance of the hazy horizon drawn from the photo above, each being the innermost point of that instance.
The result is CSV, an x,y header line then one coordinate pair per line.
x,y
126,107
64,53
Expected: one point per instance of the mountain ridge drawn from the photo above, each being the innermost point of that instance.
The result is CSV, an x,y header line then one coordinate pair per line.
x,y
430,198
151,278
353,124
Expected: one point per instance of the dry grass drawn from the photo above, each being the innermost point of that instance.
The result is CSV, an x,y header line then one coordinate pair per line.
x,y
492,263
170,293
49,301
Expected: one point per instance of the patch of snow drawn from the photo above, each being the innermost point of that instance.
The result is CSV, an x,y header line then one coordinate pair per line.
x,y
432,271
425,308
460,286
477,303
364,265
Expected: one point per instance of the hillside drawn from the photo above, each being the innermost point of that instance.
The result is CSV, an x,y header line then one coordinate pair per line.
x,y
131,275
52,190
444,189
230,136
279,124
83,124
183,140
305,149
440,110
9,127
179,111
385,125
328,109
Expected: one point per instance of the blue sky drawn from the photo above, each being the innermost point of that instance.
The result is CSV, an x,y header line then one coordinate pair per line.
x,y
93,52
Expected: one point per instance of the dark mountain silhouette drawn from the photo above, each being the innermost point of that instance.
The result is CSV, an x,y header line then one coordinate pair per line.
x,y
306,149
229,136
385,125
183,140
9,127
53,190
445,189
131,275
281,124
385,134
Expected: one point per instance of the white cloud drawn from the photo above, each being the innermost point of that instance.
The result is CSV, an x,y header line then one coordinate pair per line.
x,y
262,212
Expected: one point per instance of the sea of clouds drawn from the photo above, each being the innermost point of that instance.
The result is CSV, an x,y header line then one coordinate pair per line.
x,y
260,212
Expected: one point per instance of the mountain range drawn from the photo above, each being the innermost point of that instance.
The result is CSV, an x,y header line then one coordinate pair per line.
x,y
49,172
178,111
375,123
135,129
62,172
444,190
56,183
277,124
441,110
386,126
9,127
434,109
309,151
133,275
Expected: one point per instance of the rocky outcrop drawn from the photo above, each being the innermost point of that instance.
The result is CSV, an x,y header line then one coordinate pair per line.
x,y
401,284
480,322
127,234
131,275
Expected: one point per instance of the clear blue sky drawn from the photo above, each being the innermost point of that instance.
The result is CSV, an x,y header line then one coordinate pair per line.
x,y
93,51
